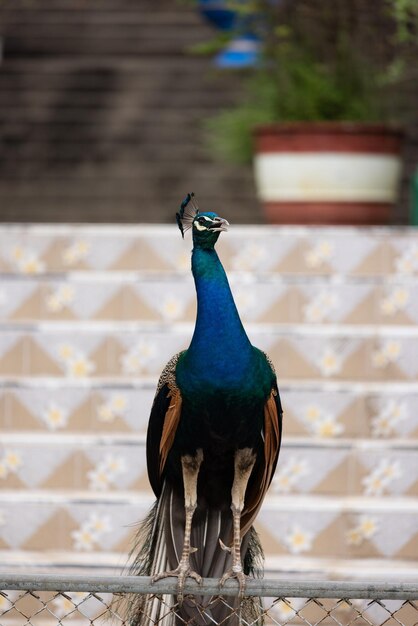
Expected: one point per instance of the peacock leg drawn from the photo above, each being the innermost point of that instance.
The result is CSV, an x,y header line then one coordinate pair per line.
x,y
243,464
190,469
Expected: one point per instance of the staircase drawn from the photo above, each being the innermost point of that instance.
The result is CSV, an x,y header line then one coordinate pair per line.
x,y
102,106
90,315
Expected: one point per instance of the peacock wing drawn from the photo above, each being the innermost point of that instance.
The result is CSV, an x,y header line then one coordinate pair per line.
x,y
163,422
267,459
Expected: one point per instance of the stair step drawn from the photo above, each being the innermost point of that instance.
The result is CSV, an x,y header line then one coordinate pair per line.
x,y
284,251
265,300
109,463
299,352
319,411
337,528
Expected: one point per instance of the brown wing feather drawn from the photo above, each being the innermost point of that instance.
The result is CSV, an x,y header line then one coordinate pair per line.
x,y
162,425
171,421
272,438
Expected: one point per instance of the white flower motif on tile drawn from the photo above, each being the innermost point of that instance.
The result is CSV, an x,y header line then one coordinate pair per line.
x,y
76,252
325,249
322,252
282,483
312,413
183,261
298,467
249,257
66,606
327,426
392,350
282,610
99,479
320,423
395,301
59,299
329,363
53,304
320,307
390,470
119,403
298,540
89,535
31,265
99,524
18,253
245,300
131,363
105,413
79,366
171,307
12,460
389,352
83,539
55,416
384,423
138,357
115,465
354,536
374,484
407,262
106,472
312,259
26,261
65,352
377,481
289,474
366,528
4,470
379,359
387,306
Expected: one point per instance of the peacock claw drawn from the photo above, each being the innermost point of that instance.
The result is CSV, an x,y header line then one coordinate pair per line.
x,y
181,572
235,572
224,547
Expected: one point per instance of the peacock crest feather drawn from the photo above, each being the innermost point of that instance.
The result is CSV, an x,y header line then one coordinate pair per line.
x,y
187,213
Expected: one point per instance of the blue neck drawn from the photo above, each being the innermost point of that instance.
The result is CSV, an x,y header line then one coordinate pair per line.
x,y
218,329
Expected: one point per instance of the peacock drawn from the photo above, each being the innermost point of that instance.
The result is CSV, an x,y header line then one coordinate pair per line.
x,y
213,442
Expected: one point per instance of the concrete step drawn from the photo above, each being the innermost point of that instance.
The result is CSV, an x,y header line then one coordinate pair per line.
x,y
129,349
113,463
314,526
284,251
265,300
320,412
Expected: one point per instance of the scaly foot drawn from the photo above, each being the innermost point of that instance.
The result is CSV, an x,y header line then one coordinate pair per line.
x,y
181,572
235,572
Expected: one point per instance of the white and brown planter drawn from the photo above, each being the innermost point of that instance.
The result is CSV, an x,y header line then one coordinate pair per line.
x,y
327,173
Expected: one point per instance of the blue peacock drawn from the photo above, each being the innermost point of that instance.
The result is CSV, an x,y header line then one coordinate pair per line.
x,y
212,446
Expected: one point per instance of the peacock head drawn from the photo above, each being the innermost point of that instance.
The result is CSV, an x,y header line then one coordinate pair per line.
x,y
206,227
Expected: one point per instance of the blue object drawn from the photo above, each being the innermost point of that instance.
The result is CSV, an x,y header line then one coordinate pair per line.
x,y
216,12
242,51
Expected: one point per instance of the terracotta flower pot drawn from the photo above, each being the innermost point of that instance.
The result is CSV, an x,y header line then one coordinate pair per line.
x,y
327,173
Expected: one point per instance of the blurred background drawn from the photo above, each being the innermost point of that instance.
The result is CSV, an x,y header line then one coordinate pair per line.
x,y
110,112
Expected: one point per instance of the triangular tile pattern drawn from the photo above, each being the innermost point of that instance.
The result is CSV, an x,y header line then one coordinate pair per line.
x,y
80,354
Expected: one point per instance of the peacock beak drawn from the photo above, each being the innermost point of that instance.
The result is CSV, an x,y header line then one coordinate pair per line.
x,y
219,224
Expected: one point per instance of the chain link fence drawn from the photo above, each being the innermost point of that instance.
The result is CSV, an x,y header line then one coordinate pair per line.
x,y
42,600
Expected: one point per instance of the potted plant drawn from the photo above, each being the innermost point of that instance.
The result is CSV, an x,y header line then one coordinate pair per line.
x,y
319,109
